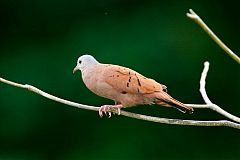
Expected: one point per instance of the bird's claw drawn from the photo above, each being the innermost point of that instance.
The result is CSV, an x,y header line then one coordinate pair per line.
x,y
105,109
108,109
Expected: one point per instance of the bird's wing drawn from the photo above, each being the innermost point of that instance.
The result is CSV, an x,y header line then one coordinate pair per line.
x,y
126,80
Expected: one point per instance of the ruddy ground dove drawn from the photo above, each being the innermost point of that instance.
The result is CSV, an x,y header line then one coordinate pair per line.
x,y
123,85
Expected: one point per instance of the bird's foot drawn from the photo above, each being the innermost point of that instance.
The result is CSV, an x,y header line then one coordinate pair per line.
x,y
108,109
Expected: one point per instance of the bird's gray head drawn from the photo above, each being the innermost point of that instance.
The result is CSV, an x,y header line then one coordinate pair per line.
x,y
85,61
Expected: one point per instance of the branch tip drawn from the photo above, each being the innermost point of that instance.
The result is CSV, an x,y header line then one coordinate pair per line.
x,y
191,11
192,14
200,22
206,63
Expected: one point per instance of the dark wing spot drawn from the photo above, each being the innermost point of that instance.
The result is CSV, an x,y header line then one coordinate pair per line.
x,y
127,84
129,72
138,82
123,92
129,79
117,75
138,90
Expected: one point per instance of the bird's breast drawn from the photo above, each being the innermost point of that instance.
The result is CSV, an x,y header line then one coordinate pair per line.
x,y
94,81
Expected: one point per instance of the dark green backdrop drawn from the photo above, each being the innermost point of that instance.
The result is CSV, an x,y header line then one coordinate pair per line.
x,y
41,40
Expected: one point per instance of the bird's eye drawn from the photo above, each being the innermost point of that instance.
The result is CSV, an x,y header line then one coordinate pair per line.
x,y
79,62
165,89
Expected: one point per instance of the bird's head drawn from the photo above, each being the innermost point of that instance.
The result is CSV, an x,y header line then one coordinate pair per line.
x,y
85,61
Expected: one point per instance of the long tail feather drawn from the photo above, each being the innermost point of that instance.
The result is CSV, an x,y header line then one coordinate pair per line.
x,y
168,101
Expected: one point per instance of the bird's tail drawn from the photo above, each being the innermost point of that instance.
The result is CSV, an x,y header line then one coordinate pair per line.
x,y
166,100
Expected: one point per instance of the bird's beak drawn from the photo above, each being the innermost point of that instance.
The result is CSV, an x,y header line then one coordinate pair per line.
x,y
75,69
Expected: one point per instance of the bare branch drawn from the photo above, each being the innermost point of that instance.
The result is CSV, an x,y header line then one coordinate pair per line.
x,y
208,101
198,105
49,96
203,83
202,89
200,22
139,116
182,122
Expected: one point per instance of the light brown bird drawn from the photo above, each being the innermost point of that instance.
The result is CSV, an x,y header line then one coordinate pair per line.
x,y
123,85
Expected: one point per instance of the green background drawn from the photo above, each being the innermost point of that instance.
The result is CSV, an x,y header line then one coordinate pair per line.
x,y
41,40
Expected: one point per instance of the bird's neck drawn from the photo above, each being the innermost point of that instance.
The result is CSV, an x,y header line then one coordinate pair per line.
x,y
87,71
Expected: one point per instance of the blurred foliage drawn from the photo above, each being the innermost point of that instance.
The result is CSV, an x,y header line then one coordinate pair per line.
x,y
41,40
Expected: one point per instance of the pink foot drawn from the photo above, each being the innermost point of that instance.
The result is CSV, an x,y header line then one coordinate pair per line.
x,y
108,109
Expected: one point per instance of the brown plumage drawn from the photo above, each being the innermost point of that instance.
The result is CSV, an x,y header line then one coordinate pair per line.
x,y
125,86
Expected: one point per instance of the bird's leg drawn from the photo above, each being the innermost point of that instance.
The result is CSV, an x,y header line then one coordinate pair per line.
x,y
108,109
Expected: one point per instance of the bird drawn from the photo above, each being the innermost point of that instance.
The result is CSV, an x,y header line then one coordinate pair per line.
x,y
123,85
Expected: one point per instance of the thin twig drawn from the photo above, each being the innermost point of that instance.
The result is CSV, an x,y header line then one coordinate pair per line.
x,y
49,96
182,122
208,101
200,22
202,88
129,114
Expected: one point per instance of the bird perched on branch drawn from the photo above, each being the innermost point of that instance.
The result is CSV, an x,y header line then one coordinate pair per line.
x,y
123,85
